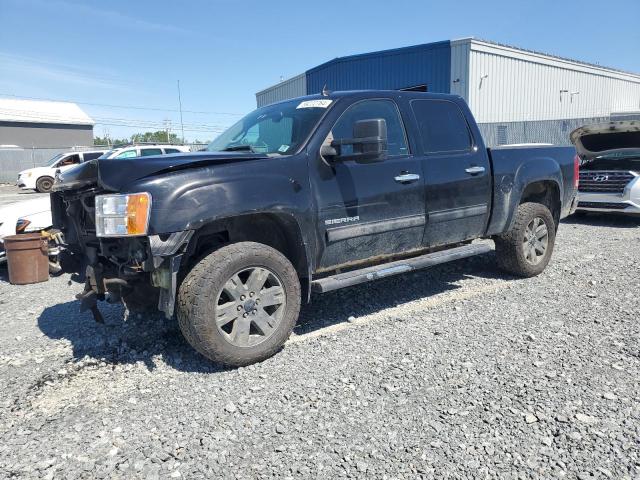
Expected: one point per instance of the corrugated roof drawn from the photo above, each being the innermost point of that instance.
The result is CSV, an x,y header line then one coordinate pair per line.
x,y
36,111
558,57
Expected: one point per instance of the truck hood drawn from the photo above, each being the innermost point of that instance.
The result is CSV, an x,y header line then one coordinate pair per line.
x,y
607,139
114,174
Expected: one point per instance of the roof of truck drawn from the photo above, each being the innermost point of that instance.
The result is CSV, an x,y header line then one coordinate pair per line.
x,y
370,94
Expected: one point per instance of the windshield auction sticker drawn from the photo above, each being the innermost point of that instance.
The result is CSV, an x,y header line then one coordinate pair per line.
x,y
315,104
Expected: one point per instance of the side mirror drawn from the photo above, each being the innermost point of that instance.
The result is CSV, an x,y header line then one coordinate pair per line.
x,y
369,143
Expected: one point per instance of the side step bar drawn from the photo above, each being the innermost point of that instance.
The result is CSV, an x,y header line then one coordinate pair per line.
x,y
363,275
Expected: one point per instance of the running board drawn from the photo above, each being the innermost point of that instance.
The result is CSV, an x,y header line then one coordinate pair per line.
x,y
363,275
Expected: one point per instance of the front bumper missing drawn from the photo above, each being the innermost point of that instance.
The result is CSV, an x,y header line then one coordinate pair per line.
x,y
162,271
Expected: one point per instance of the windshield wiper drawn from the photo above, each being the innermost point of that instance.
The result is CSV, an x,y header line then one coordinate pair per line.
x,y
238,148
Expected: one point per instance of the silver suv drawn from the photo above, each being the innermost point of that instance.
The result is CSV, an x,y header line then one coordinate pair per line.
x,y
610,167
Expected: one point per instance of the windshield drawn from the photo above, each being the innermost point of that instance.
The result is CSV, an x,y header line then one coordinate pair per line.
x,y
274,130
51,162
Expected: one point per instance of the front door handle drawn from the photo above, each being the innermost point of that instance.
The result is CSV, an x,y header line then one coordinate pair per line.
x,y
474,170
407,178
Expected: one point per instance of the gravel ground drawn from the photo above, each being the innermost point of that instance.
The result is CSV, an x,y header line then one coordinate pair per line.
x,y
454,372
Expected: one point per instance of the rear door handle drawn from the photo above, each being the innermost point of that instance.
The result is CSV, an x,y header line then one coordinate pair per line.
x,y
474,170
407,178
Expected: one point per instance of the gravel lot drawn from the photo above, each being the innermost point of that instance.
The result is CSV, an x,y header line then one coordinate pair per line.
x,y
454,372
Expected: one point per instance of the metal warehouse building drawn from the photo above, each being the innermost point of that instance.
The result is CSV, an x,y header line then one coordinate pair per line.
x,y
40,124
516,95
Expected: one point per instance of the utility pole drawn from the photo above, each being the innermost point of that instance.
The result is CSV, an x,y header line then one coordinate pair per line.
x,y
180,105
167,126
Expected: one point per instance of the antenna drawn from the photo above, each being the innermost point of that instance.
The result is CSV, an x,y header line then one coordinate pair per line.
x,y
325,91
180,104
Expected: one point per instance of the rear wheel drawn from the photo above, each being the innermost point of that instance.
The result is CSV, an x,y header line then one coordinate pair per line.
x,y
526,249
239,304
44,184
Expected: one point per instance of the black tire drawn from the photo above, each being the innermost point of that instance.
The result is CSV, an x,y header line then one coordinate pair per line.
x,y
205,290
44,184
513,249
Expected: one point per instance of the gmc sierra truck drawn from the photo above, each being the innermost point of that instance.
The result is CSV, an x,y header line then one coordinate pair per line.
x,y
307,195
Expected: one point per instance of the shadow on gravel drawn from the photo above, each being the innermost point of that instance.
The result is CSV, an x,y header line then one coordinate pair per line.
x,y
336,307
146,338
4,274
120,340
603,220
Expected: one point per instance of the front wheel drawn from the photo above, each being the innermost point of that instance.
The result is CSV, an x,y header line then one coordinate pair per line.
x,y
44,184
526,249
239,304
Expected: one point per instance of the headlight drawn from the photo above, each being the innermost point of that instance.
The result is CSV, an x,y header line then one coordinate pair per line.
x,y
122,215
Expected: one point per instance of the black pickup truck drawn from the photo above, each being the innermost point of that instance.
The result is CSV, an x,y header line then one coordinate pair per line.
x,y
307,195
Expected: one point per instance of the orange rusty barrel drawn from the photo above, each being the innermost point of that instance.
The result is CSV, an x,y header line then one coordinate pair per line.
x,y
27,258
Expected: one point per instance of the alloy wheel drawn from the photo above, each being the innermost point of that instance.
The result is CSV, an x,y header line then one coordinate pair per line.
x,y
250,306
536,241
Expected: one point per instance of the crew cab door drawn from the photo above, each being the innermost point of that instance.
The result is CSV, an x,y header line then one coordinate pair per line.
x,y
368,208
457,173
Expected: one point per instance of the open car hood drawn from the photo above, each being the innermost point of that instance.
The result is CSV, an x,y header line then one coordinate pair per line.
x,y
600,139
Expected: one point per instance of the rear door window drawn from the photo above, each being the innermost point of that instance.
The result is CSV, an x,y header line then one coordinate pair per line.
x,y
442,126
91,155
147,152
171,150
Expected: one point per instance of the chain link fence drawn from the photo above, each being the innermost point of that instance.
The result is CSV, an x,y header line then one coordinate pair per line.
x,y
14,160
555,132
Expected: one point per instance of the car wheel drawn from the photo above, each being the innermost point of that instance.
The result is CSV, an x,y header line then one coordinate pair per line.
x,y
526,249
239,304
44,184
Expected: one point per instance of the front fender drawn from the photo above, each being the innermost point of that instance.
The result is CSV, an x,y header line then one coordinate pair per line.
x,y
191,198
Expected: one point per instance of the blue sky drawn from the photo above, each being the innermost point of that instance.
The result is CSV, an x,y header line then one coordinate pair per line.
x,y
131,53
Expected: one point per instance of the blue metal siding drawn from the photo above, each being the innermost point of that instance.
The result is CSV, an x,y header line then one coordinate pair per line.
x,y
428,64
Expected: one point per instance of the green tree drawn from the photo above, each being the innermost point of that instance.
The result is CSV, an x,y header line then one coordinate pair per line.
x,y
159,136
104,141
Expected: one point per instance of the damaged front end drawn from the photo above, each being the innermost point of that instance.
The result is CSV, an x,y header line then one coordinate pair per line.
x,y
107,244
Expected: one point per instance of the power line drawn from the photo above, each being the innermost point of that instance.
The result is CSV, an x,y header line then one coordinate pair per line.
x,y
128,107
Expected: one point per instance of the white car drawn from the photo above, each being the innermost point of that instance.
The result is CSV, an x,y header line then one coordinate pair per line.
x,y
32,215
610,167
41,178
144,151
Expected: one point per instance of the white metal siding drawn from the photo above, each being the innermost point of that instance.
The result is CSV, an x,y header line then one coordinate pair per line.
x,y
525,86
290,88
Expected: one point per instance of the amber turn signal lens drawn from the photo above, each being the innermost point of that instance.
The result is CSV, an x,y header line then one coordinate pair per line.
x,y
137,213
